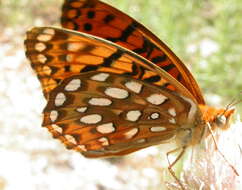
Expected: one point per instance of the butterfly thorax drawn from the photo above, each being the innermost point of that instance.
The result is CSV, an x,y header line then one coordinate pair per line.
x,y
193,133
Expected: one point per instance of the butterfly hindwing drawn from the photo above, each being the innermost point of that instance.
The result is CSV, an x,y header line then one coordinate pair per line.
x,y
100,19
104,114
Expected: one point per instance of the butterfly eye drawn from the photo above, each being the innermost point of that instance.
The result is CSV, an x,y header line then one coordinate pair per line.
x,y
220,120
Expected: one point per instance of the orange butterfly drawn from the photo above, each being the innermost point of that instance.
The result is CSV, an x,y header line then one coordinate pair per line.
x,y
113,87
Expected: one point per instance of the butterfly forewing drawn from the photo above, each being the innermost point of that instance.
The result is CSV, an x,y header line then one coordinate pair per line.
x,y
57,54
99,19
104,114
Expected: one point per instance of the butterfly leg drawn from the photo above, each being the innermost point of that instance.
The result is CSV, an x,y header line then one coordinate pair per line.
x,y
174,162
216,147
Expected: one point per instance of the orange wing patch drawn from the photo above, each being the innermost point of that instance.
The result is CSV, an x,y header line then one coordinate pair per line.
x,y
99,19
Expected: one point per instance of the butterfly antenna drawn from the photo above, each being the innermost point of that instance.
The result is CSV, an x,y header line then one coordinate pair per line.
x,y
233,103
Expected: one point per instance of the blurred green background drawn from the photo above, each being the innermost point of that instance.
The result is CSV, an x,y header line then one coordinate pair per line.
x,y
205,34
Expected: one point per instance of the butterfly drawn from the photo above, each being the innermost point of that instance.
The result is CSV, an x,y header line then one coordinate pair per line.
x,y
112,87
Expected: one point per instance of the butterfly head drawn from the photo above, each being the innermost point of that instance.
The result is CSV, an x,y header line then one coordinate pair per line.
x,y
218,118
223,117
